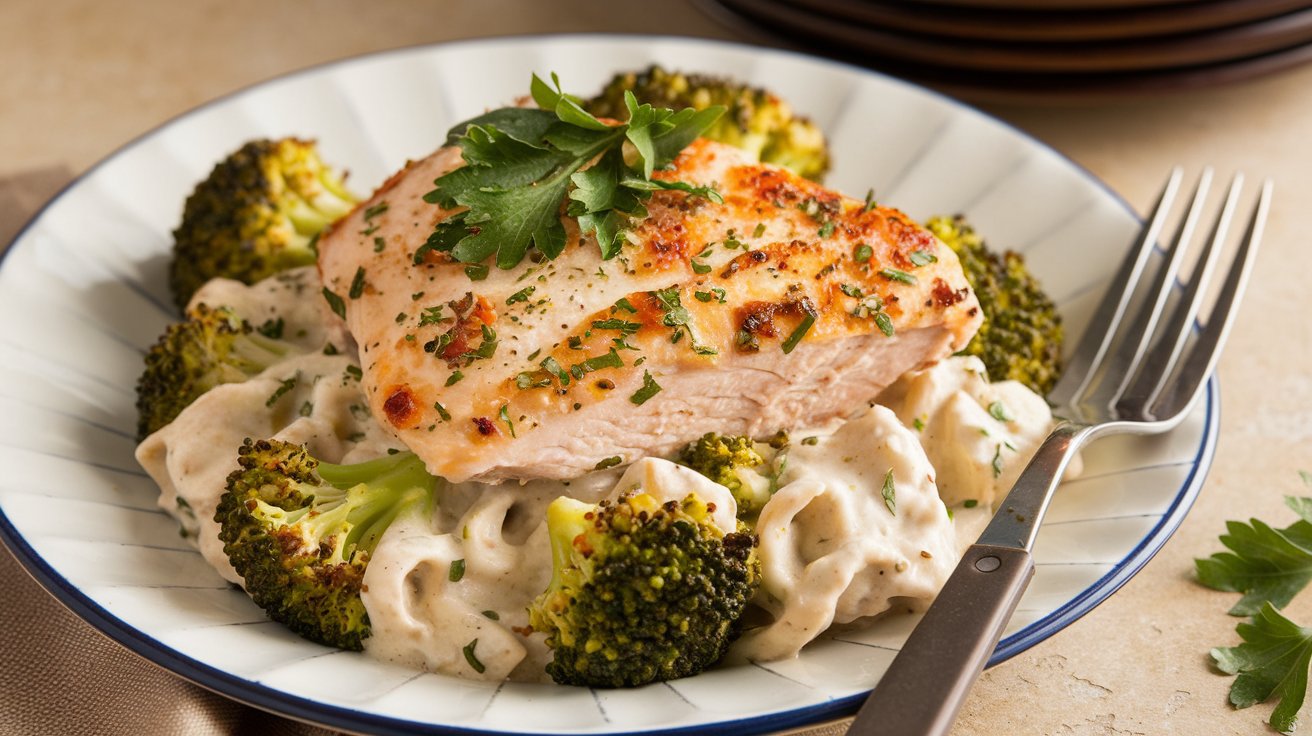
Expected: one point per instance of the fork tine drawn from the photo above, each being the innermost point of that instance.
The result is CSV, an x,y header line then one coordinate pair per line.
x,y
1161,360
1093,344
1202,359
1136,333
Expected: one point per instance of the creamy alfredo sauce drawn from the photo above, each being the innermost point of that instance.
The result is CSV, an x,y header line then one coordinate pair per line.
x,y
857,523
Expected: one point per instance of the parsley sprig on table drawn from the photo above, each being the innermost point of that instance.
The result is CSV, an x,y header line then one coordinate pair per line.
x,y
1273,660
1264,563
523,163
1269,567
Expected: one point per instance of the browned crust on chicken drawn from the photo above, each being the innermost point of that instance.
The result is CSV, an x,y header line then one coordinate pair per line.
x,y
786,291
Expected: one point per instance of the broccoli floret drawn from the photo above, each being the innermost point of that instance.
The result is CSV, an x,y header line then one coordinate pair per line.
x,y
300,532
1021,336
756,120
724,459
257,213
212,346
641,592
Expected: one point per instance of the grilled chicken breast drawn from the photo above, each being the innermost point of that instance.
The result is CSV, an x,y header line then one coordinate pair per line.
x,y
787,305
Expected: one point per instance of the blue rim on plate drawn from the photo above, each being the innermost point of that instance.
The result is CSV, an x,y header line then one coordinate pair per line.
x,y
263,696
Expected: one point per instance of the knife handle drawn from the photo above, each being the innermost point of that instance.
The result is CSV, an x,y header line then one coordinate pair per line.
x,y
922,690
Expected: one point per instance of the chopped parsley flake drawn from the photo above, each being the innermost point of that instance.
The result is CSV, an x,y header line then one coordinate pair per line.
x,y
282,390
457,571
890,493
999,412
432,316
375,210
628,328
335,302
609,462
471,659
476,272
441,411
550,365
521,296
532,379
759,231
596,363
357,284
504,416
272,328
649,389
870,201
802,328
884,323
970,503
892,274
923,258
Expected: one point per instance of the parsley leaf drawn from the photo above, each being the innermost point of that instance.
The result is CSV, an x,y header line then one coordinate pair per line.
x,y
521,164
649,389
1273,660
1265,564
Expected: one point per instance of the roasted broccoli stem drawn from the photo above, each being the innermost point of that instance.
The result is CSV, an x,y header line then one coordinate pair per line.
x,y
257,213
300,532
212,346
723,459
641,592
757,120
1021,337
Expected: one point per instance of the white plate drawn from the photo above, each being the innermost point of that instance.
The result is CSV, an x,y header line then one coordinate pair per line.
x,y
82,293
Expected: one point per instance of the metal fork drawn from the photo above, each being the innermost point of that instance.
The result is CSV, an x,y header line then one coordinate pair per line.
x,y
1136,373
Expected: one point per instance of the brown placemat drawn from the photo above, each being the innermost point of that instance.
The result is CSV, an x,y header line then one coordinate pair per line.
x,y
59,675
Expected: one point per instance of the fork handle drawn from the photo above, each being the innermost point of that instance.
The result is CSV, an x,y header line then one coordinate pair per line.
x,y
928,680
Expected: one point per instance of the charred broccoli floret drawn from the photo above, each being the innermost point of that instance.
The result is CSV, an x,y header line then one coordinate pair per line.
x,y
756,120
1021,336
640,592
212,346
726,460
300,532
256,214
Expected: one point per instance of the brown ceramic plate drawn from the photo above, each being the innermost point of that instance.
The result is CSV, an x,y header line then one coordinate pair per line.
x,y
1051,4
1033,87
1051,25
1211,47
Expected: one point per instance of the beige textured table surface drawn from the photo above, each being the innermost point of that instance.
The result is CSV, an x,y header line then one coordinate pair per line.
x,y
82,77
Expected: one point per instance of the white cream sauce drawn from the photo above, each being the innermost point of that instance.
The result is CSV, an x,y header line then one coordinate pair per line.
x,y
832,551
977,435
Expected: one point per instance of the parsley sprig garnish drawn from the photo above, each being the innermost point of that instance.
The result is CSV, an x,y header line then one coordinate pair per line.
x,y
523,163
1269,567
1273,660
1264,563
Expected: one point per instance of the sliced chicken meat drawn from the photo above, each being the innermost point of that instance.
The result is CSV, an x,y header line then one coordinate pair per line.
x,y
787,305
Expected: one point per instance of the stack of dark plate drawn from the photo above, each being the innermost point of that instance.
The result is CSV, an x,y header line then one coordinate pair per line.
x,y
1047,49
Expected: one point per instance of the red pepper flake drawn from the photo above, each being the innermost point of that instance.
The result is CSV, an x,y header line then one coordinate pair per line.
x,y
400,407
